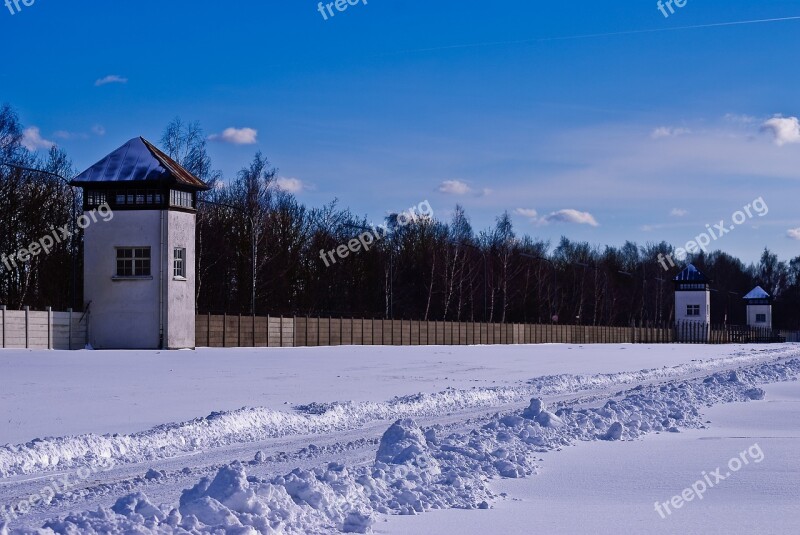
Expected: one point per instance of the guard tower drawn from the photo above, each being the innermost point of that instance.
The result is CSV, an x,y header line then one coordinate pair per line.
x,y
139,266
692,305
759,308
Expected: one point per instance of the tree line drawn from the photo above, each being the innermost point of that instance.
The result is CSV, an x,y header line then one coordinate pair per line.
x,y
424,269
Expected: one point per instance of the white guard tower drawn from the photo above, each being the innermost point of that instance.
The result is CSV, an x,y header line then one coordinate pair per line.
x,y
692,305
139,266
759,308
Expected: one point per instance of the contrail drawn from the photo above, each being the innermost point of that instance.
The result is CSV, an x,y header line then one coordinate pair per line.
x,y
596,35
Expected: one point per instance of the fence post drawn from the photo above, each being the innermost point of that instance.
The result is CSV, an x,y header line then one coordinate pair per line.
x,y
69,329
208,329
27,327
224,329
3,313
49,327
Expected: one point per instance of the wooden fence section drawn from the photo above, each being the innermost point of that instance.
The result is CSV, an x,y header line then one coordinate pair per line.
x,y
334,331
244,331
67,330
791,336
249,331
28,329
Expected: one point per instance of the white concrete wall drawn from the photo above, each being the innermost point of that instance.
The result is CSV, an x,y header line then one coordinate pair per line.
x,y
180,326
124,313
42,329
693,334
699,297
752,310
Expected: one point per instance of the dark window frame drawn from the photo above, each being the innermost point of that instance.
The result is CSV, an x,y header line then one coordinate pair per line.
x,y
182,199
179,262
124,198
133,262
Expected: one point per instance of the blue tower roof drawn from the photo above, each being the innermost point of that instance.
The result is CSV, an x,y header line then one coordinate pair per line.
x,y
757,293
691,274
139,161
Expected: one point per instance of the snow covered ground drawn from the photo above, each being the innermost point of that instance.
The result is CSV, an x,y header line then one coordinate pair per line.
x,y
611,488
58,393
312,453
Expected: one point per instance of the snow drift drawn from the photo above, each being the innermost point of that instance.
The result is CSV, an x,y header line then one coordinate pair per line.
x,y
256,424
416,470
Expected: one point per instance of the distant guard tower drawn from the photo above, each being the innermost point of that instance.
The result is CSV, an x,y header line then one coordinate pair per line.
x,y
759,308
139,267
692,305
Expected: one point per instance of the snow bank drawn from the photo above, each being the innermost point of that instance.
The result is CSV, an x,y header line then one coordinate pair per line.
x,y
415,470
257,424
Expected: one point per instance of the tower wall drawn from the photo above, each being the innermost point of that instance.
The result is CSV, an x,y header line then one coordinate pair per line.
x,y
124,312
753,310
686,333
180,300
688,297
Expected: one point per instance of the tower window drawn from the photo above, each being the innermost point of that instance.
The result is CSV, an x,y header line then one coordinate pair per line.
x,y
692,286
179,262
693,310
123,198
761,318
184,199
95,198
133,262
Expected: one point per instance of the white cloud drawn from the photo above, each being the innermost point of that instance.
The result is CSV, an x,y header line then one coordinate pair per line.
x,y
567,215
668,131
794,233
454,187
290,185
678,212
739,118
111,79
64,134
783,129
97,130
527,212
236,136
32,139
571,216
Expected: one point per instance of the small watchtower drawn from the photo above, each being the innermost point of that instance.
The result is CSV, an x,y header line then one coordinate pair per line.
x,y
139,266
759,308
692,304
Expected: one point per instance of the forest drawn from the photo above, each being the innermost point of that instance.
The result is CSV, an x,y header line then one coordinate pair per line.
x,y
424,269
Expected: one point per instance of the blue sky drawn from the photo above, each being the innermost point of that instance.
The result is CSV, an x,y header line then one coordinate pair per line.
x,y
641,135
